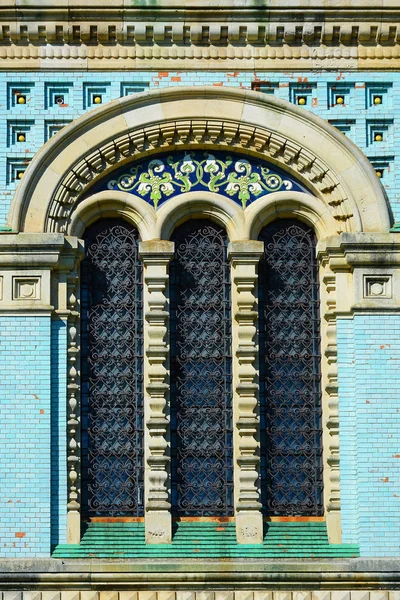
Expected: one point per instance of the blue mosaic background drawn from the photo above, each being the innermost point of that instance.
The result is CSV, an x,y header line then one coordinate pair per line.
x,y
240,178
54,99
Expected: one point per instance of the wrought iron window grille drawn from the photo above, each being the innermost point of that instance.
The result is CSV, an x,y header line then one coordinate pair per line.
x,y
290,389
201,372
112,371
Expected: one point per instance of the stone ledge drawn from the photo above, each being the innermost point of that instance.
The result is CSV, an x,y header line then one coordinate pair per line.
x,y
203,595
343,575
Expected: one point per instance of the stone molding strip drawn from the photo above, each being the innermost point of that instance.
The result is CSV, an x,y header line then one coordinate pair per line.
x,y
243,580
203,33
249,38
206,595
194,57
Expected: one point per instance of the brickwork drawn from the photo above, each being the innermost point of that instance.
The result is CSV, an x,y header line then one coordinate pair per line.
x,y
364,107
25,451
369,377
58,432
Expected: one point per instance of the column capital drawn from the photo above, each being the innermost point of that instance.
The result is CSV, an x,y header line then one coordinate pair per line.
x,y
156,251
245,250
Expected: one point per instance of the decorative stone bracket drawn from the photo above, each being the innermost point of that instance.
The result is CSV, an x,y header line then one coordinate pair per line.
x,y
26,262
366,267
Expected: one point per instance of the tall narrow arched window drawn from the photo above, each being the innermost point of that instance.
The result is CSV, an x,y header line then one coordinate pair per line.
x,y
201,372
290,391
112,371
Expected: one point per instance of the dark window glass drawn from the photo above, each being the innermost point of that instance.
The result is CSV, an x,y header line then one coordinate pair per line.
x,y
112,371
201,372
290,390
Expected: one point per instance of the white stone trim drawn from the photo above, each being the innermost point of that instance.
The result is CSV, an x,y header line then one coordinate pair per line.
x,y
113,204
294,205
191,205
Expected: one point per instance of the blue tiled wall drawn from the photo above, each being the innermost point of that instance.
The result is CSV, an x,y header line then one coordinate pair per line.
x,y
25,428
369,409
54,99
58,432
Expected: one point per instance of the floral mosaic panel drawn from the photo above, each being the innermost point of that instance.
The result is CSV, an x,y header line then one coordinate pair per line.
x,y
240,178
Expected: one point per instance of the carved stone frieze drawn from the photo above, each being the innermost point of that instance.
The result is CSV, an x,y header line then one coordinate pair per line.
x,y
205,31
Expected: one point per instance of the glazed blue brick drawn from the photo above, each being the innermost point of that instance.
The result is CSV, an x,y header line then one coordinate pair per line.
x,y
25,455
58,439
43,118
369,377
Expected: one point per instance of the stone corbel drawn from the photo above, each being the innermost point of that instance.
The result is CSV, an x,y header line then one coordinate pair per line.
x,y
244,257
366,268
156,256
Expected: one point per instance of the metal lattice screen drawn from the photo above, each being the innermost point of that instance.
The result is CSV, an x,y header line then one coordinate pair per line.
x,y
201,372
112,371
290,391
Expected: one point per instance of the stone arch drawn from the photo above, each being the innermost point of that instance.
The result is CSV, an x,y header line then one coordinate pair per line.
x,y
297,205
332,167
201,204
114,204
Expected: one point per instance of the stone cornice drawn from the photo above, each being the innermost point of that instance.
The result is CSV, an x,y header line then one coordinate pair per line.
x,y
359,35
352,250
203,30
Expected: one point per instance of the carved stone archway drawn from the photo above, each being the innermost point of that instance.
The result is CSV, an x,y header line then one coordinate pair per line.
x,y
318,155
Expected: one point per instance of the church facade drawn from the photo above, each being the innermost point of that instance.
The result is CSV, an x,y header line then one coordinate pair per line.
x,y
199,301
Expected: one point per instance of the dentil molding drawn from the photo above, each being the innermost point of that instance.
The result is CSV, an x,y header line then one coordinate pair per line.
x,y
189,34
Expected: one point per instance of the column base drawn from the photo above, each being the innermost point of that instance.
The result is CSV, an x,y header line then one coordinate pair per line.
x,y
73,527
158,527
249,527
334,528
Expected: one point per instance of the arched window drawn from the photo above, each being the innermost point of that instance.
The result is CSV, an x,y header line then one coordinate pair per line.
x,y
290,391
112,371
201,372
